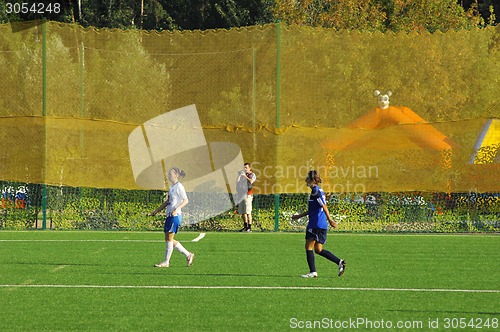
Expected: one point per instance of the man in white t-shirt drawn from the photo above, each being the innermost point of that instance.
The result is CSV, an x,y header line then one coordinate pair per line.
x,y
244,187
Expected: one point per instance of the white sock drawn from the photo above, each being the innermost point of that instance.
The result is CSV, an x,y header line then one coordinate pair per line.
x,y
168,251
181,249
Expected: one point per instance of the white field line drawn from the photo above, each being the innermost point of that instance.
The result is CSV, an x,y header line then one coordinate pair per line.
x,y
201,236
333,233
366,289
88,240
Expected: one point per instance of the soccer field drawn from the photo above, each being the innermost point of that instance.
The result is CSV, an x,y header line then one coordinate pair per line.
x,y
54,280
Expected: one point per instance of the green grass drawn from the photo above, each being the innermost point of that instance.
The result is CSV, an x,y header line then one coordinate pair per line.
x,y
53,280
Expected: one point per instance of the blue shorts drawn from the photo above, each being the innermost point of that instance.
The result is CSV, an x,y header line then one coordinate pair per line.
x,y
172,224
316,234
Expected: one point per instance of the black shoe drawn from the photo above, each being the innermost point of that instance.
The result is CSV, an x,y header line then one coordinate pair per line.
x,y
341,267
244,229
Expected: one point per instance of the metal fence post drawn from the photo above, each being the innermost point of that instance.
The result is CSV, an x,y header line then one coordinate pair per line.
x,y
278,107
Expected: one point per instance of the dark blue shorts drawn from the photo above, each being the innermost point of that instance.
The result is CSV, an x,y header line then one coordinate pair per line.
x,y
316,234
172,224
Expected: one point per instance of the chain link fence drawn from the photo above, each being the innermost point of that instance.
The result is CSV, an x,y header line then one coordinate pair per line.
x,y
71,208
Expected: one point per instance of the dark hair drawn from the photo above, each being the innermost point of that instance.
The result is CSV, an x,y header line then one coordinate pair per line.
x,y
180,173
247,164
314,176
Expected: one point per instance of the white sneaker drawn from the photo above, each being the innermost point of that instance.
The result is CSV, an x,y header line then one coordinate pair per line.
x,y
190,259
341,267
162,264
310,275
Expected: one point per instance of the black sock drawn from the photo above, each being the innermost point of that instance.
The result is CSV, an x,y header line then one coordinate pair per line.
x,y
249,226
245,225
310,260
330,256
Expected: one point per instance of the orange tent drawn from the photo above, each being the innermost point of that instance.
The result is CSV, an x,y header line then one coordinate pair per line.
x,y
411,127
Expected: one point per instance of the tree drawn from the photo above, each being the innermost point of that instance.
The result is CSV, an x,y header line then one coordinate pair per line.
x,y
171,14
381,15
488,9
338,14
429,15
104,13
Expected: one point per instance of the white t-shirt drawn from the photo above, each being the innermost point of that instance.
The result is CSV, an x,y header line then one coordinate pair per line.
x,y
176,194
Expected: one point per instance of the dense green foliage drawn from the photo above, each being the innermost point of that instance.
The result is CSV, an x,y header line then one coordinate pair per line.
x,y
108,209
380,15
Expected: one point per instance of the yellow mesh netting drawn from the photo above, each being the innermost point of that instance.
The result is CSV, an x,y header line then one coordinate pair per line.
x,y
291,108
